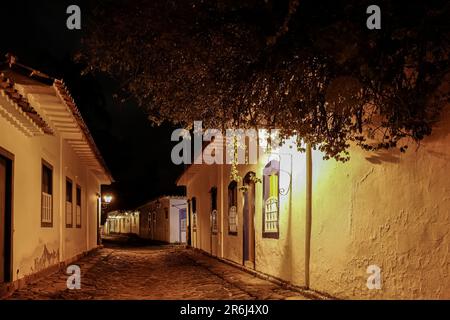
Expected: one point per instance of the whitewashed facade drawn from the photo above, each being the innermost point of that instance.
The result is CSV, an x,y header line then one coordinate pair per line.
x,y
50,177
164,219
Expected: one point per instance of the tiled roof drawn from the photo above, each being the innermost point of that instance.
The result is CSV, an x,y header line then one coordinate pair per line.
x,y
8,87
68,100
173,197
21,103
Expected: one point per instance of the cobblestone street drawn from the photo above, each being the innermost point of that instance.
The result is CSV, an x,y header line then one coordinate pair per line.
x,y
155,272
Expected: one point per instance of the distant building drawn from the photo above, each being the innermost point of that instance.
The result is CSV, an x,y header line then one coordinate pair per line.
x,y
122,222
50,177
164,219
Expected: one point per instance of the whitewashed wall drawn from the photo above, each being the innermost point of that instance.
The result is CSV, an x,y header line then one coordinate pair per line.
x,y
34,247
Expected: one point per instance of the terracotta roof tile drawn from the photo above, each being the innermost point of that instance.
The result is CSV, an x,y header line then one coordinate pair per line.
x,y
69,101
62,91
7,87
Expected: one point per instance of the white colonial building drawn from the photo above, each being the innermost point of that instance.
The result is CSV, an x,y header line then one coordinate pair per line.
x,y
50,177
164,219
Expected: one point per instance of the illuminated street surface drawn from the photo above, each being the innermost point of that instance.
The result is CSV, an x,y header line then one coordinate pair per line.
x,y
155,272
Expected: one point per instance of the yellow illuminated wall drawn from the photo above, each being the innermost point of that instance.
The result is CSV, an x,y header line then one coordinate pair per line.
x,y
387,209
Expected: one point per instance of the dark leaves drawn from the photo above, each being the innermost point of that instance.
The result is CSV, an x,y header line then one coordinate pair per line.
x,y
306,67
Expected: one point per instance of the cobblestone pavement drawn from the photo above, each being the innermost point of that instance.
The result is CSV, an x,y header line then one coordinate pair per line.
x,y
155,272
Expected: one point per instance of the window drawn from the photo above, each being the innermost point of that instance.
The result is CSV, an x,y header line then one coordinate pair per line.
x,y
166,213
214,210
69,206
47,196
78,212
232,208
194,214
271,199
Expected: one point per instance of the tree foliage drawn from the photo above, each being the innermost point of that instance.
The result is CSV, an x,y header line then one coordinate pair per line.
x,y
310,68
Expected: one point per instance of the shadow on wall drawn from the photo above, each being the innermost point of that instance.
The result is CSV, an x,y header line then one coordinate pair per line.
x,y
439,134
441,129
46,259
379,157
431,143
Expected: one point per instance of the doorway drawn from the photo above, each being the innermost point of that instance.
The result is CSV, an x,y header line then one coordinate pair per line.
x,y
249,221
6,172
182,226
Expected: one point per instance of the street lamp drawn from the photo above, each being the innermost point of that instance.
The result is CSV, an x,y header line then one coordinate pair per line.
x,y
107,198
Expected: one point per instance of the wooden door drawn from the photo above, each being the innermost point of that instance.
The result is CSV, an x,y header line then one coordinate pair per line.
x,y
249,222
3,166
6,167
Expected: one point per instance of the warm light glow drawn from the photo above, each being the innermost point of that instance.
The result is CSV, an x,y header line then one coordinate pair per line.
x,y
107,198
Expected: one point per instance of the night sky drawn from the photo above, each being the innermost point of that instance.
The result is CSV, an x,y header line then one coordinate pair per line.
x,y
137,153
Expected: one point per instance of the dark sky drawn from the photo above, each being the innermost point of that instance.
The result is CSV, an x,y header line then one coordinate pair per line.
x,y
137,153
